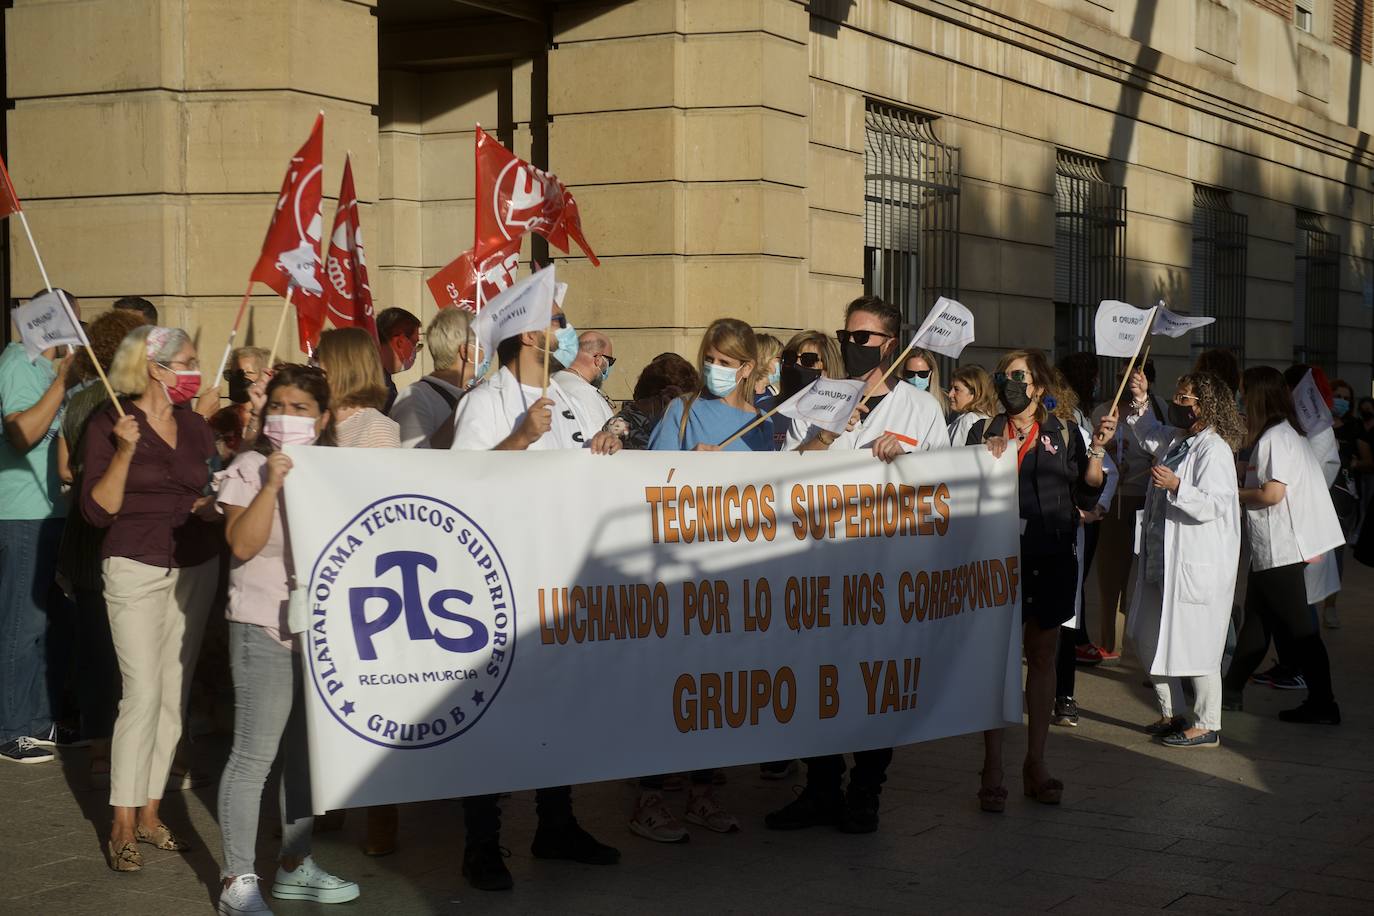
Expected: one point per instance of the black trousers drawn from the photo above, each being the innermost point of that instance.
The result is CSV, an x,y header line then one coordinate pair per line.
x,y
1276,603
482,813
1065,663
823,774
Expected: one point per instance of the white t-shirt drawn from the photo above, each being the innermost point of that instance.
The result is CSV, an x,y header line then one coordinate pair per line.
x,y
420,410
913,415
1301,526
493,410
593,411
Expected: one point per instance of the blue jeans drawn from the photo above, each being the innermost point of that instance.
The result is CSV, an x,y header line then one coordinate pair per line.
x,y
28,564
269,715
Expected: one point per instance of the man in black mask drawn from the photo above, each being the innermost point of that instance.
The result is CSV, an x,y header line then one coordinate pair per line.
x,y
898,419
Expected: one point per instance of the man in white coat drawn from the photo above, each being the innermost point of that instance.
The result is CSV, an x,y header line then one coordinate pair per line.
x,y
1190,542
582,380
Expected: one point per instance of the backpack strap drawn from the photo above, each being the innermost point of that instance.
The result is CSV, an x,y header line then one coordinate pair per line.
x,y
449,397
686,412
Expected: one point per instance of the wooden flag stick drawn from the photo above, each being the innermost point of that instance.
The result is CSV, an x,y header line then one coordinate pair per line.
x,y
756,422
545,387
281,323
1126,376
901,358
71,314
233,334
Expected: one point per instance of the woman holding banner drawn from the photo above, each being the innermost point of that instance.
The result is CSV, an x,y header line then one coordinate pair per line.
x,y
1059,475
1190,542
265,657
144,479
728,360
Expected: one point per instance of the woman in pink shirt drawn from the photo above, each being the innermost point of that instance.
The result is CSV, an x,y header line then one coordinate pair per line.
x,y
263,656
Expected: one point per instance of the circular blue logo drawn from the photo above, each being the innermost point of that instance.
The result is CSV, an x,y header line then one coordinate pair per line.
x,y
412,623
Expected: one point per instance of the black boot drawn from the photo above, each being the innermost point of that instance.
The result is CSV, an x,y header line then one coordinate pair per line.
x,y
484,865
812,808
860,811
567,840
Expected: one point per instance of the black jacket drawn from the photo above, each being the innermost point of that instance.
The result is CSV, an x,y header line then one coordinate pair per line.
x,y
1052,483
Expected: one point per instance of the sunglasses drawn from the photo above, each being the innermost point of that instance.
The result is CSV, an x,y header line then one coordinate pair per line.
x,y
806,360
860,338
905,374
1018,375
561,320
610,360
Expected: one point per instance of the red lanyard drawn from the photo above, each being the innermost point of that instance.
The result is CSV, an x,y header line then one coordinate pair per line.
x,y
1031,435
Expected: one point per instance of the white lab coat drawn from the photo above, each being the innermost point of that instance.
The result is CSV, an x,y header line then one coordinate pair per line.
x,y
593,410
1321,576
913,415
1191,608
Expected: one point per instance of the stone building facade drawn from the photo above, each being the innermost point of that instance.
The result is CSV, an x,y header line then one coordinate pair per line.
x,y
763,159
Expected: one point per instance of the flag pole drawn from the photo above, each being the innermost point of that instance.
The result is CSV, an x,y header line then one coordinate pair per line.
x,y
901,358
545,392
233,332
1126,376
71,313
756,422
281,323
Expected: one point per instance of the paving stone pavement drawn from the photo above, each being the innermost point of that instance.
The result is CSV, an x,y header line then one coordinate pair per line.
x,y
1278,820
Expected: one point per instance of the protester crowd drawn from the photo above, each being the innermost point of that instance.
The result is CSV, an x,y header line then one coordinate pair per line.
x,y
129,530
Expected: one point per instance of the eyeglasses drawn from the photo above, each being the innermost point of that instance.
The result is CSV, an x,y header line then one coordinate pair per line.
x,y
905,374
860,338
1016,375
807,360
610,360
1184,397
191,365
561,320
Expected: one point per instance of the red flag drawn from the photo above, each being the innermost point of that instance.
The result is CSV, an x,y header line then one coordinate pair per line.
x,y
348,298
456,284
9,201
291,252
514,197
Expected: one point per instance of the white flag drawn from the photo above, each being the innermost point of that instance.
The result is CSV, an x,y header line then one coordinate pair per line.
x,y
525,306
1172,324
827,403
1120,328
47,321
947,329
1313,413
560,292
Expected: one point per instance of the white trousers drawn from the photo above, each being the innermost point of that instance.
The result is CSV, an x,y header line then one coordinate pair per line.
x,y
1207,699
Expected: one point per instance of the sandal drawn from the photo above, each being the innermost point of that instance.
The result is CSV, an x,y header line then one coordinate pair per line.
x,y
1049,792
124,858
160,838
992,799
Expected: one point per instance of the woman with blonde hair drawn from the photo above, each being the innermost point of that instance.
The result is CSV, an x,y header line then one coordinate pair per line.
x,y
349,358
808,356
1190,542
922,372
144,477
768,380
425,409
971,398
729,362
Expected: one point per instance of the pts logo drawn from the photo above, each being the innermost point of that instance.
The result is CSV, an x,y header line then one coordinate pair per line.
x,y
412,623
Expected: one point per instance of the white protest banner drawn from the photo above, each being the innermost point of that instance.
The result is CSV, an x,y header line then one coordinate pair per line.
x,y
947,329
1313,413
46,321
827,403
1172,324
527,305
560,292
1120,328
718,609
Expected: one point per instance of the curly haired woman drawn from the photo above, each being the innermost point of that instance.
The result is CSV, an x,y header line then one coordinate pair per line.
x,y
1190,543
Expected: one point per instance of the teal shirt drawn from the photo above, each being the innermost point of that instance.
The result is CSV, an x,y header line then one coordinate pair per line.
x,y
711,421
29,487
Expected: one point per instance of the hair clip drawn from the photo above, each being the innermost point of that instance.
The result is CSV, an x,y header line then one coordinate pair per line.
x,y
1050,402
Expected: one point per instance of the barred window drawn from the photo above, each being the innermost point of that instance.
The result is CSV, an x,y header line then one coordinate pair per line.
x,y
911,211
1089,250
1316,293
1220,241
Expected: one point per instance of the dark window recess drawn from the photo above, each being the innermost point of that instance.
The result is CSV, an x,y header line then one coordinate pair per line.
x,y
1217,279
1316,294
911,213
1089,253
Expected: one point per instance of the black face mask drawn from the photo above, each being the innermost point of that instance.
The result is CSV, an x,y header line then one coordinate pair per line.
x,y
796,377
238,386
859,361
1013,396
1181,417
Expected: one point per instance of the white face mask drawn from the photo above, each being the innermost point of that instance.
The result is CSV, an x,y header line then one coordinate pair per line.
x,y
284,429
721,380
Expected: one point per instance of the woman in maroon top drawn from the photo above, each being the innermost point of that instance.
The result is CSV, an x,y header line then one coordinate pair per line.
x,y
145,479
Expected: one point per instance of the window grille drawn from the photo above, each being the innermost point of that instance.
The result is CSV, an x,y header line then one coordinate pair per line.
x,y
1220,241
1316,293
1089,252
911,212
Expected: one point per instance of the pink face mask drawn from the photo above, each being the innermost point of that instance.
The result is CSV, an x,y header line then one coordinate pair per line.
x,y
187,386
284,429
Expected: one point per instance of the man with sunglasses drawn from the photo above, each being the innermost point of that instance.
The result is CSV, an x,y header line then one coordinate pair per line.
x,y
508,412
582,381
899,419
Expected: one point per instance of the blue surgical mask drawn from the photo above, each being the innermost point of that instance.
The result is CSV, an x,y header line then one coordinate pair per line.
x,y
567,346
605,374
482,370
920,384
775,379
720,380
1339,407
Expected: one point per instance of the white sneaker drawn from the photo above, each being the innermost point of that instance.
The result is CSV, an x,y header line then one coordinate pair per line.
x,y
243,898
310,882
